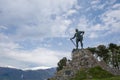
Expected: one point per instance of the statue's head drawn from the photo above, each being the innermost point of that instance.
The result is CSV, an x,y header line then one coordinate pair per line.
x,y
76,30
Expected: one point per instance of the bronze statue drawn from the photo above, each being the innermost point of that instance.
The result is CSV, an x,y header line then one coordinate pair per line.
x,y
79,38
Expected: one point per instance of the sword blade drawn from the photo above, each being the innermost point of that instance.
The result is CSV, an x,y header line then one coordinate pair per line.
x,y
72,42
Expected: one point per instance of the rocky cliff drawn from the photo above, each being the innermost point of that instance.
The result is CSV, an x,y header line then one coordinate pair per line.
x,y
81,59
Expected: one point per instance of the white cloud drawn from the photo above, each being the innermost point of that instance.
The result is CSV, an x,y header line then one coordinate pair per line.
x,y
60,43
9,45
99,5
116,6
32,18
98,27
39,56
37,68
95,2
6,43
78,7
12,55
71,12
56,28
3,27
83,24
93,35
109,25
111,20
111,15
3,37
90,30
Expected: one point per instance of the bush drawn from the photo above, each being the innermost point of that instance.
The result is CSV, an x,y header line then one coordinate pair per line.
x,y
61,64
98,72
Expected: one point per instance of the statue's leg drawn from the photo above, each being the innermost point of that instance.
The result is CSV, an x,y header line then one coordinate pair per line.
x,y
81,44
76,44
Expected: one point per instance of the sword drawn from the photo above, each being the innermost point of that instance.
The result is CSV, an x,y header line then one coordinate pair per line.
x,y
73,42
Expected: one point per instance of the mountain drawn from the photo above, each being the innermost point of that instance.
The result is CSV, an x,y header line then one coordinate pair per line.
x,y
17,74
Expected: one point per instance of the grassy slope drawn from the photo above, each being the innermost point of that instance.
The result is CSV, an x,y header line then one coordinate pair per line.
x,y
96,73
111,78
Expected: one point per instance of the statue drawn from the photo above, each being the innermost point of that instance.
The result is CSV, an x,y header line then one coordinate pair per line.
x,y
79,38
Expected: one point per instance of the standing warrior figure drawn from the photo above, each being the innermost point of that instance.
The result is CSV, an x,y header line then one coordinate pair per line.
x,y
79,37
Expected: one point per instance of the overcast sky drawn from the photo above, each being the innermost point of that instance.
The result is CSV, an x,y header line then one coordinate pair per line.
x,y
36,33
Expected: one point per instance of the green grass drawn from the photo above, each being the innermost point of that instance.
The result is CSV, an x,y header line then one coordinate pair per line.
x,y
80,75
111,78
96,73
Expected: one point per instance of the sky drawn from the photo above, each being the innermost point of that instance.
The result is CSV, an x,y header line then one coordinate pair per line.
x,y
36,33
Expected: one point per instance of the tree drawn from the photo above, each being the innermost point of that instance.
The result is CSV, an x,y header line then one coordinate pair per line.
x,y
112,46
92,49
102,51
110,54
115,54
61,63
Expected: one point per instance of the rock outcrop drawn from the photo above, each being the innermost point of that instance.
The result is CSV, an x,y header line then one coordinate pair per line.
x,y
81,58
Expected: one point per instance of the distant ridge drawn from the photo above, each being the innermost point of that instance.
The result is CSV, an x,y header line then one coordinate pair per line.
x,y
18,74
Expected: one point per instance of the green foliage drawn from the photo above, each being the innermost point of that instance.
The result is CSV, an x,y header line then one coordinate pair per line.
x,y
112,46
61,63
81,74
115,49
51,79
102,52
110,54
93,50
98,72
111,78
92,73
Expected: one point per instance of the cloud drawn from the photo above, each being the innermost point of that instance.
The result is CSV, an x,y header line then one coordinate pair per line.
x,y
6,43
101,5
83,23
116,6
30,20
56,28
111,20
95,2
93,35
106,23
36,68
11,54
38,56
2,27
71,12
33,18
